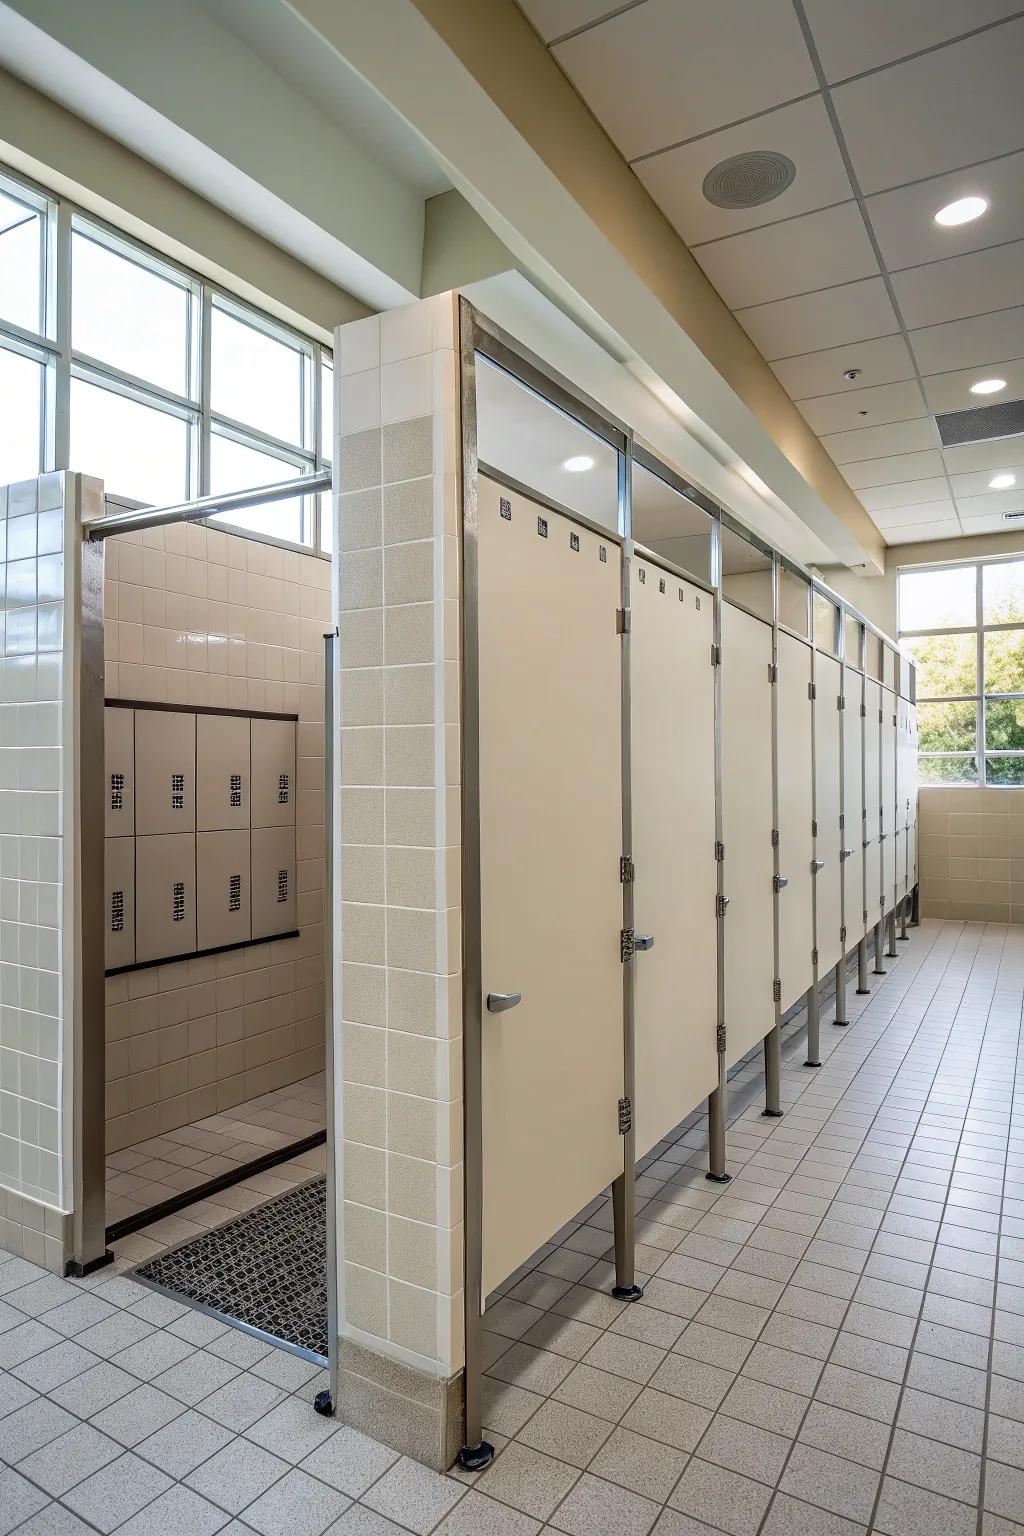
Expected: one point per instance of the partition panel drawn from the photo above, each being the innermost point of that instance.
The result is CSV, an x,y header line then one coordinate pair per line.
x,y
795,776
550,845
828,842
872,801
747,829
672,702
853,805
902,793
887,753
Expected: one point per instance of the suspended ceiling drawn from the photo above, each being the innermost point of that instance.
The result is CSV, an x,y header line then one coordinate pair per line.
x,y
888,109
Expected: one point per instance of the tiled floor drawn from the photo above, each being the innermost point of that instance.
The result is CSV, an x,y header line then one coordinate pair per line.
x,y
153,1171
832,1343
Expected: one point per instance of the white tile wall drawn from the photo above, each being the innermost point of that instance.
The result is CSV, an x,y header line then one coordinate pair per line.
x,y
200,616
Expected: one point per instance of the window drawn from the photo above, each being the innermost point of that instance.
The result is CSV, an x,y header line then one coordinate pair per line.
x,y
964,625
125,400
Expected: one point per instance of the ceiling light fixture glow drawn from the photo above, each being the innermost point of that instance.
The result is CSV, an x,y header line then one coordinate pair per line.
x,y
577,465
988,386
1002,482
962,211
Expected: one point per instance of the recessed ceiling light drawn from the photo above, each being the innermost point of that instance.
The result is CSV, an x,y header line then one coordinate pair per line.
x,y
988,386
962,211
577,465
1002,482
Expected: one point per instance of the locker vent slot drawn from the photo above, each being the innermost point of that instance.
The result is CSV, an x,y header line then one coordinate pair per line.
x,y
177,791
505,509
542,527
178,911
117,791
117,912
282,789
236,791
235,893
282,885
574,542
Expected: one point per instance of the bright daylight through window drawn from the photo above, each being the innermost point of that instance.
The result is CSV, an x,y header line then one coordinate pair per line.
x,y
964,624
166,388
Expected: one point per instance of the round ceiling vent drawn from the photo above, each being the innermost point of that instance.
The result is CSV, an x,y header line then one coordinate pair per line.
x,y
747,180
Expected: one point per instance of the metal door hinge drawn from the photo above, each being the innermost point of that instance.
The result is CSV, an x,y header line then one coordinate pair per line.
x,y
720,1037
716,655
863,711
627,872
842,820
719,852
622,621
814,957
864,919
773,672
625,1116
814,828
840,702
812,692
721,905
777,989
627,945
775,837
879,717
842,934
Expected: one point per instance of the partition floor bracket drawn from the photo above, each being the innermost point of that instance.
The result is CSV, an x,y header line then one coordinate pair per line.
x,y
473,1458
627,1292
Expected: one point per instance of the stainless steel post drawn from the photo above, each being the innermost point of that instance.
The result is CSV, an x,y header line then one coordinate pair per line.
x,y
890,927
862,968
879,967
813,1024
904,904
773,1072
840,1017
915,907
327,1402
716,1128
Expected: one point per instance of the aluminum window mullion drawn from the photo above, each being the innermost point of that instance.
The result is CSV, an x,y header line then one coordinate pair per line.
x,y
979,724
58,426
205,375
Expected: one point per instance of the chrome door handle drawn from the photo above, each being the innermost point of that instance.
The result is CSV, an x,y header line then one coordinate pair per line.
x,y
644,941
817,865
780,882
501,1002
845,853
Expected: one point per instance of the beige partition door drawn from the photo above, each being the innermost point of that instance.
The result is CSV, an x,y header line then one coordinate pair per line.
x,y
902,752
853,806
827,768
550,897
887,738
872,802
747,829
673,780
794,725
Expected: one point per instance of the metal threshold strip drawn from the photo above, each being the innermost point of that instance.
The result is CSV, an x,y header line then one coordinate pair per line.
x,y
206,506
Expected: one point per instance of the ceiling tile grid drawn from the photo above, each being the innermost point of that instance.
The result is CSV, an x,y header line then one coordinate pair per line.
x,y
870,118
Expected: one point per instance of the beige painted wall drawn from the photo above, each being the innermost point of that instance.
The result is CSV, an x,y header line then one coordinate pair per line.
x,y
971,853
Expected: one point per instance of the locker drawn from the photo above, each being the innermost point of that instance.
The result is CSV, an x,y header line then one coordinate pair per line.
x,y
828,882
223,909
165,772
550,896
673,778
887,753
222,773
119,761
747,829
796,842
273,881
273,773
872,801
853,806
165,873
120,898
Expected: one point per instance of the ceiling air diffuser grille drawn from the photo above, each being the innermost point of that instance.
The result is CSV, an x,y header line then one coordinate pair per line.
x,y
982,423
747,180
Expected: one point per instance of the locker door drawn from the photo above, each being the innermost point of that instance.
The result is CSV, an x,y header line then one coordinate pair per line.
x,y
223,912
747,829
828,888
120,899
273,773
119,758
273,882
887,738
550,844
796,844
672,696
872,801
222,773
165,771
853,806
165,874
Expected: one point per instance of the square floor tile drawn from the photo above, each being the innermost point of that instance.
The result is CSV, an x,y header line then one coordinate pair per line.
x,y
476,1513
18,1500
350,1461
117,1491
416,1497
723,1499
907,1511
566,1433
237,1475
178,1512
298,1504
744,1448
183,1444
520,1476
633,1461
69,1459
843,1487
595,1506
597,1392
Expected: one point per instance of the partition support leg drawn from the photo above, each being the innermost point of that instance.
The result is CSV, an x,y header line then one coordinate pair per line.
x,y
904,904
862,968
624,1218
773,1073
813,1026
840,1017
890,929
879,967
716,1129
915,907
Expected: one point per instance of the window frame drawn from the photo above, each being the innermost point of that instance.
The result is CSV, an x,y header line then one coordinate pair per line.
x,y
981,697
61,362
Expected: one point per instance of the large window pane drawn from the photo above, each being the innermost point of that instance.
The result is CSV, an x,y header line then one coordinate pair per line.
x,y
947,727
746,574
21,264
946,664
947,770
255,378
127,316
21,416
1002,592
139,453
853,630
938,599
793,605
668,523
235,467
1004,661
1004,725
1004,770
